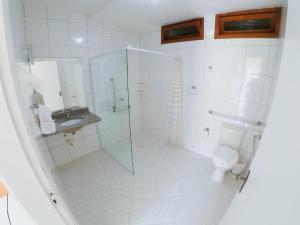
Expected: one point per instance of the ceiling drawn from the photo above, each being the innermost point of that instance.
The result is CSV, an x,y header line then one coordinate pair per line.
x,y
150,14
83,6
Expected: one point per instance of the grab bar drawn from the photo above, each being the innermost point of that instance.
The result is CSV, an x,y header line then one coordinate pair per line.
x,y
116,107
236,118
115,94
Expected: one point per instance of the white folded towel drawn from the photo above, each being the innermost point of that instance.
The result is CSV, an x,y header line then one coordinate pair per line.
x,y
47,124
37,99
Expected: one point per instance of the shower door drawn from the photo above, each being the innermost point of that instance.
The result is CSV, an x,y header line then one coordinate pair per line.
x,y
111,98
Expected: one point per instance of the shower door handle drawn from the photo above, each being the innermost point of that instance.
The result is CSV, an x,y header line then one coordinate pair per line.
x,y
245,179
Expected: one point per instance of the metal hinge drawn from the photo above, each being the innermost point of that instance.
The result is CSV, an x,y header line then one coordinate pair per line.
x,y
52,197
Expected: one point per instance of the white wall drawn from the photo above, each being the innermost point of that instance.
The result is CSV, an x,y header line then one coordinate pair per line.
x,y
157,71
18,215
17,22
55,32
234,76
271,196
26,90
18,172
18,159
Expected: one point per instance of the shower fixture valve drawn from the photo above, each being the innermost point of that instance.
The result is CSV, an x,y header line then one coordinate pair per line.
x,y
207,130
193,90
258,136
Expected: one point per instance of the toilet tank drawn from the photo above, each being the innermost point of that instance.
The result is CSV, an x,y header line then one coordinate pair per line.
x,y
231,135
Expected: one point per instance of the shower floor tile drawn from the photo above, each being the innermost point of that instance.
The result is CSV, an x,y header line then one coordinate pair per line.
x,y
170,187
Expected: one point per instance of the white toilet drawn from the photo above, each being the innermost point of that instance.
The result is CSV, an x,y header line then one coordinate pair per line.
x,y
225,155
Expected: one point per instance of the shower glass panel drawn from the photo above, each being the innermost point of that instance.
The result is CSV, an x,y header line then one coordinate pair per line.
x,y
111,97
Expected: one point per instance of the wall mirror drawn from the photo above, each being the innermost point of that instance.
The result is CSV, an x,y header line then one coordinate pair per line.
x,y
59,81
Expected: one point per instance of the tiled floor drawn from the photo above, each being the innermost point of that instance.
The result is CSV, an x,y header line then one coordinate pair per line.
x,y
170,187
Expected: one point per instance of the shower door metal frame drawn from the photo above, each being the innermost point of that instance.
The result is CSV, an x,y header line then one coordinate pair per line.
x,y
128,105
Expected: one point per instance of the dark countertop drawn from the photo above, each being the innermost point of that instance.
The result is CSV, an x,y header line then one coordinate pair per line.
x,y
82,113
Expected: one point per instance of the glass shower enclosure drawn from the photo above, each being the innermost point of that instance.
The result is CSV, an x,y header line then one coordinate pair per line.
x,y
136,92
111,97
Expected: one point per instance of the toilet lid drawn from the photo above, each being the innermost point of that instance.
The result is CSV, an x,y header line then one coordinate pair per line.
x,y
225,153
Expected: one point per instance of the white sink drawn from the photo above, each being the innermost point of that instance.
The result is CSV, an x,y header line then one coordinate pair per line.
x,y
71,122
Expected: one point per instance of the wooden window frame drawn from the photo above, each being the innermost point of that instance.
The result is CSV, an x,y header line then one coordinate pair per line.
x,y
270,13
199,23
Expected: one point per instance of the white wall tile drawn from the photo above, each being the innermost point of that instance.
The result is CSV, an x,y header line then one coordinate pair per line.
x,y
230,58
17,22
57,13
41,51
263,114
256,60
36,10
61,154
79,52
269,90
77,17
93,21
212,84
78,34
78,150
252,89
95,37
89,130
92,143
53,32
258,41
215,58
236,79
234,59
265,100
55,140
226,105
214,42
58,34
247,111
37,31
274,42
272,61
60,51
109,37
235,42
230,85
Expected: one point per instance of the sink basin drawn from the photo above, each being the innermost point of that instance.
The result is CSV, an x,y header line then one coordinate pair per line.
x,y
70,122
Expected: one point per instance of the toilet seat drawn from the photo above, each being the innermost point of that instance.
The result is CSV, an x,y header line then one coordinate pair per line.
x,y
225,157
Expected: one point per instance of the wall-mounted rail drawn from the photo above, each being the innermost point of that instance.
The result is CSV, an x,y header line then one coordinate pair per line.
x,y
236,118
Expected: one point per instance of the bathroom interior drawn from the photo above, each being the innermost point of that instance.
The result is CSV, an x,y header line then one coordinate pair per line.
x,y
146,112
